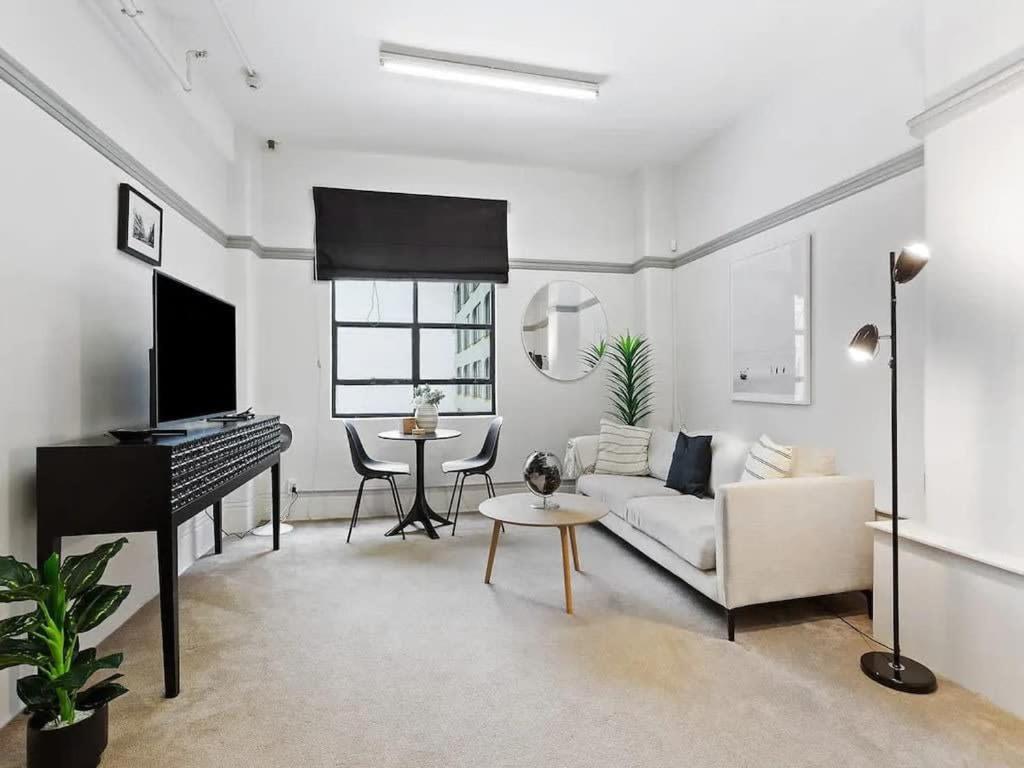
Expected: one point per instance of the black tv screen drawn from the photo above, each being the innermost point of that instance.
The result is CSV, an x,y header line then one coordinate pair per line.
x,y
194,350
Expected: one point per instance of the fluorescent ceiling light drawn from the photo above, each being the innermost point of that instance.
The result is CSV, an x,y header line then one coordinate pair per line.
x,y
482,72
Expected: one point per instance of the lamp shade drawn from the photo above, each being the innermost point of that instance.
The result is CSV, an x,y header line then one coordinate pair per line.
x,y
864,345
911,260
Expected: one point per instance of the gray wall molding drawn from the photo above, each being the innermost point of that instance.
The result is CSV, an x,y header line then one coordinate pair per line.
x,y
1007,74
872,177
980,88
23,81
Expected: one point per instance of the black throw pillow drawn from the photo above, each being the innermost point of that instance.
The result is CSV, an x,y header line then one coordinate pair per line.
x,y
691,465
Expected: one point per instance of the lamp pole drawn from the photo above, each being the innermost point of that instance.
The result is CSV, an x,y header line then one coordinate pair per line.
x,y
897,666
894,670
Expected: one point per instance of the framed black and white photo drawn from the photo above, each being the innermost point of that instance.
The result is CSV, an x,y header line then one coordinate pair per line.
x,y
140,225
771,325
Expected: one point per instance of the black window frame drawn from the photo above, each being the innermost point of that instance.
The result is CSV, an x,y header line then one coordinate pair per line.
x,y
414,327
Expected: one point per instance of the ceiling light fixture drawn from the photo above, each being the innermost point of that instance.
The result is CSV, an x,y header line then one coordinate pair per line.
x,y
514,77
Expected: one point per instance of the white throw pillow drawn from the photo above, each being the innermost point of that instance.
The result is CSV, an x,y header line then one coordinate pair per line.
x,y
767,460
659,452
622,449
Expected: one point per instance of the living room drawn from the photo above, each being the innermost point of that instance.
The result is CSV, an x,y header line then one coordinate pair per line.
x,y
537,188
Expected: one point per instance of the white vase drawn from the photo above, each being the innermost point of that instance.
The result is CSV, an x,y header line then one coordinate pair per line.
x,y
426,416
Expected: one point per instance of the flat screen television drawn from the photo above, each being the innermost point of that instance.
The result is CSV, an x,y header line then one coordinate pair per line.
x,y
193,366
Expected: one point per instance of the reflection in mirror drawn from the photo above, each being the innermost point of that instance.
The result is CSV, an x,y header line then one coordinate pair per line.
x,y
564,329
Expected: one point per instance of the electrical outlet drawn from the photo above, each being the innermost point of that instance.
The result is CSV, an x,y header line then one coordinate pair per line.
x,y
293,486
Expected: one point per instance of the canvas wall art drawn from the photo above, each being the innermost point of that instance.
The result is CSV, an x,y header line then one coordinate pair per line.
x,y
770,308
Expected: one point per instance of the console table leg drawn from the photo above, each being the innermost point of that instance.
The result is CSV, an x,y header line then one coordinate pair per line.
x,y
167,565
275,502
217,528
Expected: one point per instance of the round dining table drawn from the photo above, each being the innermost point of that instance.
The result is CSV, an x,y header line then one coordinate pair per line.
x,y
420,511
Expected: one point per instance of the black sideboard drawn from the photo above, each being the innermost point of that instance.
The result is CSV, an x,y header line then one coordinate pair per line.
x,y
100,486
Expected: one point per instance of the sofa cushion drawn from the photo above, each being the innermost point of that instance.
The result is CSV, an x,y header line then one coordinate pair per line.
x,y
691,465
768,461
659,452
622,449
617,490
684,524
809,461
728,454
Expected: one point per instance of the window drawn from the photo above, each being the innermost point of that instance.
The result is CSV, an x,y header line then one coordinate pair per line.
x,y
389,336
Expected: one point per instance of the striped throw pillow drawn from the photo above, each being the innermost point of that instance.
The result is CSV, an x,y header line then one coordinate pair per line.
x,y
622,450
767,460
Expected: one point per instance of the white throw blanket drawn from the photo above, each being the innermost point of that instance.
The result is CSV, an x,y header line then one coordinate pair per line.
x,y
580,456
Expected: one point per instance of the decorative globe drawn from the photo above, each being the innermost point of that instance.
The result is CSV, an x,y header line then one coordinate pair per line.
x,y
543,475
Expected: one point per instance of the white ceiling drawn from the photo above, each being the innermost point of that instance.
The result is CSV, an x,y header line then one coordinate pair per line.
x,y
676,70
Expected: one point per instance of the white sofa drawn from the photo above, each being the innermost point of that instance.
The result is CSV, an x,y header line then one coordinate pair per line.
x,y
754,542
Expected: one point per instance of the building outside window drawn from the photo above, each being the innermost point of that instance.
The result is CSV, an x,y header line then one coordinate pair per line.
x,y
388,336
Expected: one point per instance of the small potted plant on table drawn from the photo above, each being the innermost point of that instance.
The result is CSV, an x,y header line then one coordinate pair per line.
x,y
425,399
67,727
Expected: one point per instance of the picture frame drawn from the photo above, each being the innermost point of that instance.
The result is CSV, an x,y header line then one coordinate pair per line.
x,y
770,317
140,225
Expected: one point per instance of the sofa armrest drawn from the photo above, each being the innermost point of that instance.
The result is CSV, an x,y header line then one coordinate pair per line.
x,y
794,537
580,456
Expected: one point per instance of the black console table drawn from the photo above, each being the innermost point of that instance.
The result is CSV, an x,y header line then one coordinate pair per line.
x,y
100,486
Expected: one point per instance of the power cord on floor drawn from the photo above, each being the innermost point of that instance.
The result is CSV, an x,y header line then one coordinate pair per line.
x,y
243,534
856,629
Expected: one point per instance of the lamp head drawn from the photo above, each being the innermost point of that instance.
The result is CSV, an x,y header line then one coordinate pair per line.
x,y
912,259
864,345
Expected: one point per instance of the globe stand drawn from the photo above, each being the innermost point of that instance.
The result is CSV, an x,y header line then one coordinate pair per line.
x,y
544,504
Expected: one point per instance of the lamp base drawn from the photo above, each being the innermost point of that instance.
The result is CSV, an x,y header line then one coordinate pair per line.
x,y
267,529
914,677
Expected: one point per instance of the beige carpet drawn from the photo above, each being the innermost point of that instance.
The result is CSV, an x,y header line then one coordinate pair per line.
x,y
391,653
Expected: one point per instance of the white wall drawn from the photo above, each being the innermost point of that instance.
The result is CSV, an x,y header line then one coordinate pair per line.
x,y
826,128
849,287
553,214
77,312
561,215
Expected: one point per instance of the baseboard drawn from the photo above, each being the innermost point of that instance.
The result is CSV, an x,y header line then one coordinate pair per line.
x,y
338,503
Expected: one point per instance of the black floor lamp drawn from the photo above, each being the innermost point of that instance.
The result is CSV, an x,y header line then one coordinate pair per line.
x,y
893,669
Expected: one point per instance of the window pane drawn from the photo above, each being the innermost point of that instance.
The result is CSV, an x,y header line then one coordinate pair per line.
x,y
360,353
465,398
448,353
372,301
391,399
454,302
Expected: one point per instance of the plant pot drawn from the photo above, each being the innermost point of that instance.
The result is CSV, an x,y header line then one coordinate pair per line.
x,y
79,745
426,416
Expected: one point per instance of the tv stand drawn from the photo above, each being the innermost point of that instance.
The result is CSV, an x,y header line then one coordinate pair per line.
x,y
101,486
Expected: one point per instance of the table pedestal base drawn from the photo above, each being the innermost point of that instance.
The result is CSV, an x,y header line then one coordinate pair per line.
x,y
421,513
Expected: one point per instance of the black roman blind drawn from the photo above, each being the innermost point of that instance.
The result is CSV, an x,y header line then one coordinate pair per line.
x,y
390,235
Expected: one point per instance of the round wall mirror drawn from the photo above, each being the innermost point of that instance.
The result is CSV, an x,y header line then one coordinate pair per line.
x,y
564,329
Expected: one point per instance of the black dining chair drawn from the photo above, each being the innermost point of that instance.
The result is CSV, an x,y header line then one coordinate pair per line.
x,y
481,464
371,469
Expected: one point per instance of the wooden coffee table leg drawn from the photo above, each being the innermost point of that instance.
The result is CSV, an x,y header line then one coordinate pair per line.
x,y
494,546
575,549
567,574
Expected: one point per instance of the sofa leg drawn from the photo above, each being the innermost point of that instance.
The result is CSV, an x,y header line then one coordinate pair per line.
x,y
730,625
870,597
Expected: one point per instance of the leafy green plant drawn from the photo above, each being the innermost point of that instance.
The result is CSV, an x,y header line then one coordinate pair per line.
x,y
69,600
592,356
630,378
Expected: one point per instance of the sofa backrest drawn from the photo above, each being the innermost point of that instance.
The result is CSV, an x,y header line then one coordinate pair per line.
x,y
728,455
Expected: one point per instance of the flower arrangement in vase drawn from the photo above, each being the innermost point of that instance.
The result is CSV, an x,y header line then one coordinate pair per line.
x,y
425,399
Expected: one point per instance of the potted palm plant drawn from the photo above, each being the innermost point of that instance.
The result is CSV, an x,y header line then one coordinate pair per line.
x,y
630,377
67,727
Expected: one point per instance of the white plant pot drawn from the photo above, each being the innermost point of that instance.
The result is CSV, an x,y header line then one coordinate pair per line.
x,y
426,417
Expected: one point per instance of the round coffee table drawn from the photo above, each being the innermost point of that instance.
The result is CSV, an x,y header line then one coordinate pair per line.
x,y
516,509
